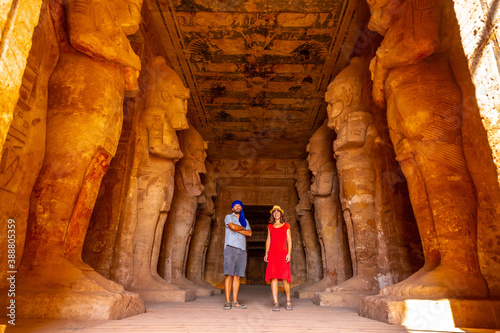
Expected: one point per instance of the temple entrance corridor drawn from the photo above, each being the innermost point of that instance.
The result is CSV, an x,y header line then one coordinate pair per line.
x,y
205,314
256,245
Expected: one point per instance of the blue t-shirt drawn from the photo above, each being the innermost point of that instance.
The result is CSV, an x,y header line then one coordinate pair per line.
x,y
233,238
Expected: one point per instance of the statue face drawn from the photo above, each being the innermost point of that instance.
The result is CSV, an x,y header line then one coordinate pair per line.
x,y
127,14
383,14
339,98
313,158
177,108
200,155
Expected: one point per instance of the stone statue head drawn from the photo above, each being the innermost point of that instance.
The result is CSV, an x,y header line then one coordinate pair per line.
x,y
320,148
344,93
127,14
383,14
303,184
303,179
209,183
193,147
166,90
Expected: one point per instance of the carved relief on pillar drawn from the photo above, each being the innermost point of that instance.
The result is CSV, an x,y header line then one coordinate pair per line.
x,y
23,151
17,23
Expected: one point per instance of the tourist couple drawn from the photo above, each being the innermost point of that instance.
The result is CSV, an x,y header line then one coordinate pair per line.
x,y
278,252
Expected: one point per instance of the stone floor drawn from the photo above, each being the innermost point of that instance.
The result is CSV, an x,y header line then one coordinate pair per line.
x,y
206,315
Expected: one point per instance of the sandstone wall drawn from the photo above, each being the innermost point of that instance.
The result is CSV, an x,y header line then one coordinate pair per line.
x,y
24,147
17,22
478,74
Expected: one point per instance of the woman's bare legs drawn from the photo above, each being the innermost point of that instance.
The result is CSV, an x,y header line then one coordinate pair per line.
x,y
274,290
287,289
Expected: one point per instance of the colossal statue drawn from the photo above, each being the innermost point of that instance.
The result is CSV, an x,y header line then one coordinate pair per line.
x,y
348,115
327,210
412,76
158,150
85,105
180,221
309,235
205,214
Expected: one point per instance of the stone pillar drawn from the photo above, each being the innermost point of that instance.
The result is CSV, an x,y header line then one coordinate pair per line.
x,y
413,77
356,133
327,213
24,148
205,214
309,235
180,221
83,127
158,150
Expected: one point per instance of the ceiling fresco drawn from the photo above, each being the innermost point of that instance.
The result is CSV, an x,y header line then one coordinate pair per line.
x,y
257,70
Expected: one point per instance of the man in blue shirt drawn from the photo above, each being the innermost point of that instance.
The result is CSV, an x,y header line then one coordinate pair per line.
x,y
235,254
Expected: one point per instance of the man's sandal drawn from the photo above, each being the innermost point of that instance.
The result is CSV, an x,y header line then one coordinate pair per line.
x,y
237,305
276,307
289,305
227,306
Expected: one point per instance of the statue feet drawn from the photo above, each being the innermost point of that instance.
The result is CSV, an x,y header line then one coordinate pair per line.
x,y
151,282
358,283
442,282
302,286
57,273
395,289
321,285
204,284
184,283
89,272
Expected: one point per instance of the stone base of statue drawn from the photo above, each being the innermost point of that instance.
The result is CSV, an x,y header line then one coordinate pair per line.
x,y
166,296
200,292
432,314
71,304
205,285
343,299
306,294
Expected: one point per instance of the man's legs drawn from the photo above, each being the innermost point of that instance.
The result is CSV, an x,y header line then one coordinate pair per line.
x,y
228,282
236,288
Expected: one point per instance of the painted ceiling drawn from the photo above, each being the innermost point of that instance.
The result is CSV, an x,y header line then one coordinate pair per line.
x,y
257,70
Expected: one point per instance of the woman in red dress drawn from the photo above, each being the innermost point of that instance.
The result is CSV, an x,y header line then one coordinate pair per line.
x,y
278,250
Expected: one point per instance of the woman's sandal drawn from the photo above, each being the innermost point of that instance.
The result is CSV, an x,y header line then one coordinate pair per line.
x,y
227,306
289,305
276,307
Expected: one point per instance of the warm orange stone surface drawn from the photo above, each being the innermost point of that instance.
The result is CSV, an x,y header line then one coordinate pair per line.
x,y
89,154
17,22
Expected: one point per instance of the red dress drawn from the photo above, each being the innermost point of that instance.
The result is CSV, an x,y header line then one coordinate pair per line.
x,y
277,267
